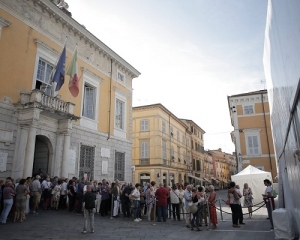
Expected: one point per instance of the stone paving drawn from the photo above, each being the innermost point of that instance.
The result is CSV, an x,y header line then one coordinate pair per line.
x,y
64,225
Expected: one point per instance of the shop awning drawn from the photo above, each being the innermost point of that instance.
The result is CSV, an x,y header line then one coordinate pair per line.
x,y
192,176
205,179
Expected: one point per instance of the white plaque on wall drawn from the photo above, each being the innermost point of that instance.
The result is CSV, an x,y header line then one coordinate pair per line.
x,y
6,136
105,152
72,161
3,161
104,167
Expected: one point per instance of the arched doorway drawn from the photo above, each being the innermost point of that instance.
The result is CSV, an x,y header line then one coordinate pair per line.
x,y
43,152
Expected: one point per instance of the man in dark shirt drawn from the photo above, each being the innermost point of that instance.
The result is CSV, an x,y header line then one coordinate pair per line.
x,y
105,198
161,204
79,195
89,209
126,201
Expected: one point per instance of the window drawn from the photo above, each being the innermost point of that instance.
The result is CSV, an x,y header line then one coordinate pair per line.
x,y
163,127
184,156
172,154
120,76
198,166
120,166
144,150
178,152
89,102
119,114
144,125
178,135
43,76
248,109
192,144
86,165
253,147
171,131
164,148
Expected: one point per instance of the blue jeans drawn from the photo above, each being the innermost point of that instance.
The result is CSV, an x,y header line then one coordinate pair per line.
x,y
7,204
136,205
195,220
161,212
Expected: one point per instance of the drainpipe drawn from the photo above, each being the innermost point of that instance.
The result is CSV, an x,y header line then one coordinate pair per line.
x,y
262,102
109,109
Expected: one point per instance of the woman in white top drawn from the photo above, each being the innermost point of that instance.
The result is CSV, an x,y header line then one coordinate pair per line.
x,y
181,204
136,202
248,198
175,201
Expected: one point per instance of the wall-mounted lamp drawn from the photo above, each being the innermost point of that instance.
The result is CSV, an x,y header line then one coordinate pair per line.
x,y
241,130
233,109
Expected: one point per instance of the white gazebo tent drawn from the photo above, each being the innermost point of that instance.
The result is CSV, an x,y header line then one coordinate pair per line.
x,y
255,179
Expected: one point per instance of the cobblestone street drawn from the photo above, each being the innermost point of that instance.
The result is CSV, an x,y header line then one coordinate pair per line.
x,y
64,225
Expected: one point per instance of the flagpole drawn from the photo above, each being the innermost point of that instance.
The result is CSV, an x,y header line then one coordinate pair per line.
x,y
52,71
89,60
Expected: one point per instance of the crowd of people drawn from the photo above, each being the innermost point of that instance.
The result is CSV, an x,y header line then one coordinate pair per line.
x,y
150,201
31,195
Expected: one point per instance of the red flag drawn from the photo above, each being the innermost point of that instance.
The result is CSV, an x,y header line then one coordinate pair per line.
x,y
73,73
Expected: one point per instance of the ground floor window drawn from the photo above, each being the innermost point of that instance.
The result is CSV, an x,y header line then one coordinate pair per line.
x,y
87,159
120,166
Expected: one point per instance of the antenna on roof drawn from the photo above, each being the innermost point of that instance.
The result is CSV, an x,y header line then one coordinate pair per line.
x,y
263,81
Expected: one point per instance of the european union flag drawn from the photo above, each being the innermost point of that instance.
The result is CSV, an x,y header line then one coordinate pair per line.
x,y
59,75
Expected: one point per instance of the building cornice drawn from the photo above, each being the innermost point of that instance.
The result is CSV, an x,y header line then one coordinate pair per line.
x,y
163,108
74,28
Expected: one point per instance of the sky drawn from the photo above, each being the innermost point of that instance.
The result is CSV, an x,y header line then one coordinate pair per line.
x,y
191,54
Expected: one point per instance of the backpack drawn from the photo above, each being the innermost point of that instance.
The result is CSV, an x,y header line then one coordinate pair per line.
x,y
274,193
89,199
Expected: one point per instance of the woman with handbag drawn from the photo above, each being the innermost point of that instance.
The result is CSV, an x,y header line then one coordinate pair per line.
x,y
202,206
175,201
248,198
195,211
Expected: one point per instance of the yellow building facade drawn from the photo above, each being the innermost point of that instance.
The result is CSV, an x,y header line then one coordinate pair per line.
x,y
252,136
161,149
197,146
88,135
221,164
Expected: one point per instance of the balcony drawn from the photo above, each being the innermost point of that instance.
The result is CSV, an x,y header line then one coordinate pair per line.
x,y
51,105
159,162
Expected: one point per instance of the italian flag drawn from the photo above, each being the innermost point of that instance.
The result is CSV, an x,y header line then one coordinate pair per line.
x,y
73,73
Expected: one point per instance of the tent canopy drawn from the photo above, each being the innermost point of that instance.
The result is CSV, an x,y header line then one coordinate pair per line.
x,y
255,179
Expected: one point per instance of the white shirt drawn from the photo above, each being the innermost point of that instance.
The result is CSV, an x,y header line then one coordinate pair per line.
x,y
46,185
269,189
136,194
63,188
36,185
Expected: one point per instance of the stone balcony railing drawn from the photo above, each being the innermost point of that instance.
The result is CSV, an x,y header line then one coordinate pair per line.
x,y
39,99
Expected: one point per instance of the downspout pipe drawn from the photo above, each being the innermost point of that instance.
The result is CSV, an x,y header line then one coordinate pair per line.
x,y
263,106
109,108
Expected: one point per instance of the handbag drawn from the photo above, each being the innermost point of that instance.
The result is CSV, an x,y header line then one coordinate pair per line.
x,y
193,209
227,202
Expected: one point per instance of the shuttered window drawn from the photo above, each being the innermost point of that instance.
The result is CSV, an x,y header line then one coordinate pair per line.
x,y
253,146
144,125
89,102
144,150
